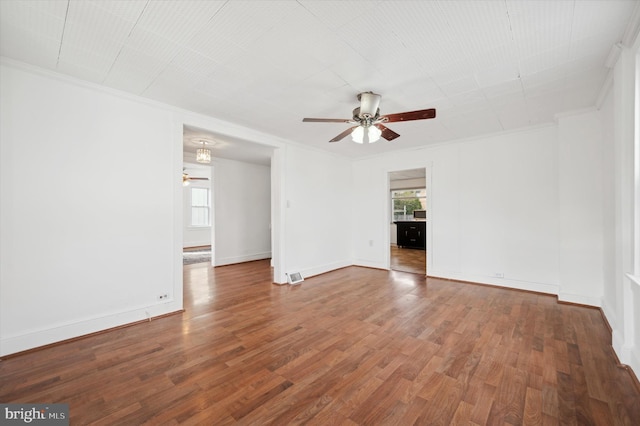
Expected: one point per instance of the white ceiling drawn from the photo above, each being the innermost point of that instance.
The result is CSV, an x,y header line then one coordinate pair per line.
x,y
486,66
224,147
407,174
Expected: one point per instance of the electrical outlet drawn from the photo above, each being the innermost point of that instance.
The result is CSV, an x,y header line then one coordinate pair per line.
x,y
498,274
163,296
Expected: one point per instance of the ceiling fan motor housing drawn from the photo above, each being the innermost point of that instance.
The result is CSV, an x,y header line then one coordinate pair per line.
x,y
363,120
369,103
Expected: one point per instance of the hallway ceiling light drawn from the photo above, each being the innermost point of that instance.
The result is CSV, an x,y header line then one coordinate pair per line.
x,y
203,154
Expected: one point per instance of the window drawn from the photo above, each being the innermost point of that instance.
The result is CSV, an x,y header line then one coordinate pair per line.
x,y
405,201
200,207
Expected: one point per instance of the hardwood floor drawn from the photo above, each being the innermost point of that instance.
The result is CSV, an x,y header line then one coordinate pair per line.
x,y
408,260
353,347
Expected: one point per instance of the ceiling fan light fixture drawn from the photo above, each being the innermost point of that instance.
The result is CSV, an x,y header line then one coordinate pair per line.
x,y
358,134
369,134
369,126
374,134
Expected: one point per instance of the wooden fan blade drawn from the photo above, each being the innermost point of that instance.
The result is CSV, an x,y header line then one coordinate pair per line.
x,y
326,120
197,178
343,134
422,114
387,133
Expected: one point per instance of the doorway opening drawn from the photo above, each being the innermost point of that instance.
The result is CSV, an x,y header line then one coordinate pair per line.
x,y
197,207
408,214
227,202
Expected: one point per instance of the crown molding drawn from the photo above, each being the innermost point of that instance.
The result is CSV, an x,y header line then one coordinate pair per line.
x,y
630,37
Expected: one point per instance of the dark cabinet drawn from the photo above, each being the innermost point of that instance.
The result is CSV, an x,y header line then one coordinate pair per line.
x,y
412,234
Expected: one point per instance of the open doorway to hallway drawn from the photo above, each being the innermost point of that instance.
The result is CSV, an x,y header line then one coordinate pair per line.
x,y
234,213
407,230
197,213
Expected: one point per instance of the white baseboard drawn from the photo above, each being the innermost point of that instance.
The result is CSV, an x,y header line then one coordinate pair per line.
x,y
369,264
320,269
45,336
499,282
634,360
609,314
244,258
196,244
623,352
580,299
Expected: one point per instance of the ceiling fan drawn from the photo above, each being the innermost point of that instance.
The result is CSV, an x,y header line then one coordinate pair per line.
x,y
186,178
369,123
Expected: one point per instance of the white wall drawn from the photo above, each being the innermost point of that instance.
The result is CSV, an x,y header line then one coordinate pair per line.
x,y
194,236
581,197
492,208
89,181
318,211
242,211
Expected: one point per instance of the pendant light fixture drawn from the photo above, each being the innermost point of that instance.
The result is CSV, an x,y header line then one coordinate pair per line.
x,y
203,154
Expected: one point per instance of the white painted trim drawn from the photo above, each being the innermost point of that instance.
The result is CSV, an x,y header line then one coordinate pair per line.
x,y
369,264
321,269
573,112
178,216
244,258
63,331
634,360
605,89
610,315
634,278
498,282
623,352
630,36
580,299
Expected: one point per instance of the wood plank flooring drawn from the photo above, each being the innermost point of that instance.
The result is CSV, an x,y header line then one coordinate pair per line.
x,y
408,260
355,346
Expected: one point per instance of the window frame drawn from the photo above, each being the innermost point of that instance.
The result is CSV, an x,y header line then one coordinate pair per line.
x,y
422,198
207,207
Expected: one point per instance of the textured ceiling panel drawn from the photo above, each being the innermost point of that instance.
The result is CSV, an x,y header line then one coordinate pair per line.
x,y
241,23
337,13
46,21
485,65
27,46
129,10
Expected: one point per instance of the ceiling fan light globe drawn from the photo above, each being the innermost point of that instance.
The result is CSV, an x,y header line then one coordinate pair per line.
x,y
374,134
358,134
